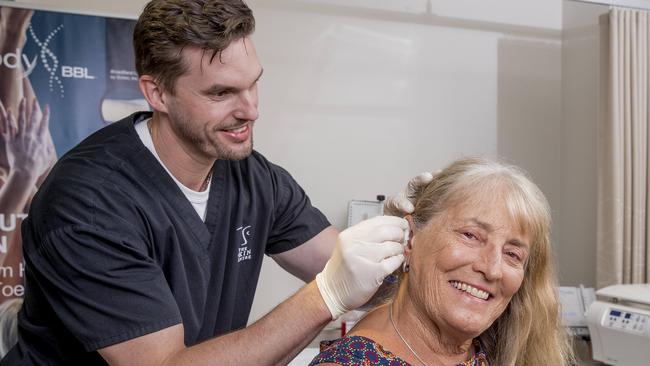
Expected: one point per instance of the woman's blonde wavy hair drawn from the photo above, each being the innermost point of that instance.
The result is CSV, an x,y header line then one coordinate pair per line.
x,y
9,324
529,332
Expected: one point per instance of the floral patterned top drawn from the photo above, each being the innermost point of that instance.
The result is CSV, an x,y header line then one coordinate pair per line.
x,y
362,351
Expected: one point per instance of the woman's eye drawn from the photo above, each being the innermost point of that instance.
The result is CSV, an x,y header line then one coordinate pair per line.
x,y
514,255
469,235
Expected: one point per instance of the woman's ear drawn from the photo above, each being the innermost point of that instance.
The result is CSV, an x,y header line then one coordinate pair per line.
x,y
406,266
409,241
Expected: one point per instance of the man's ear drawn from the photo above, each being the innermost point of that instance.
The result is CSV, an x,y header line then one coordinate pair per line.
x,y
153,93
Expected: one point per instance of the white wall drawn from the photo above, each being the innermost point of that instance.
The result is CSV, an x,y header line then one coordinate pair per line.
x,y
581,88
358,96
356,100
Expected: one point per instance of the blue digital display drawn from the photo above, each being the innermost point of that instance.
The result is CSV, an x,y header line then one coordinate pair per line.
x,y
615,313
628,315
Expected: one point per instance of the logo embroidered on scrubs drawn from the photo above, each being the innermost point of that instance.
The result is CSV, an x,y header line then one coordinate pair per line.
x,y
244,252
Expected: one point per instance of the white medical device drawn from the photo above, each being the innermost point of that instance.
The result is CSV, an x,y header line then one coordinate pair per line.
x,y
575,303
359,210
619,325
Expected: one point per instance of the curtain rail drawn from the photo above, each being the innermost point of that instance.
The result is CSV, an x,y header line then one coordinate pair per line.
x,y
633,4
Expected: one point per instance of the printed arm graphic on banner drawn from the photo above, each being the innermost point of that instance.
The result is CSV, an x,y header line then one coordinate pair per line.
x,y
14,86
26,148
26,158
13,34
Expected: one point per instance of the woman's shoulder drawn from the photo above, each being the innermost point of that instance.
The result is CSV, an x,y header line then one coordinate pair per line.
x,y
355,350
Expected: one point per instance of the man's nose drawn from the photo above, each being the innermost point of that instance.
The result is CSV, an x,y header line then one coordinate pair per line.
x,y
247,107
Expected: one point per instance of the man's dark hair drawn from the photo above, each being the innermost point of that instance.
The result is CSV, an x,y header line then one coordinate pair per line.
x,y
165,27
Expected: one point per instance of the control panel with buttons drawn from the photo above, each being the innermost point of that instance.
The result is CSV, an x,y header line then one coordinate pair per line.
x,y
626,320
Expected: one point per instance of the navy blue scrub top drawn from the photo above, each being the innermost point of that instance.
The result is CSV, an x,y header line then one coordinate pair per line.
x,y
114,250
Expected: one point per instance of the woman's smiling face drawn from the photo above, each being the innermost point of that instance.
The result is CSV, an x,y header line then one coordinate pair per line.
x,y
466,264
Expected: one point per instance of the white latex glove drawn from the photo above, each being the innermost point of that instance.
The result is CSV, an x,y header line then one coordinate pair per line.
x,y
401,204
364,254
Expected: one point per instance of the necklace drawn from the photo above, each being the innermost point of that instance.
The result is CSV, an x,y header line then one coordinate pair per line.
x,y
390,315
206,182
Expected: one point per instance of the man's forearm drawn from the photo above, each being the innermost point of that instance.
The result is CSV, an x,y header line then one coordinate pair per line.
x,y
272,340
304,343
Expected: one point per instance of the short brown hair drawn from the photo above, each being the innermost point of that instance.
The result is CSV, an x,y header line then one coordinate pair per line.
x,y
165,27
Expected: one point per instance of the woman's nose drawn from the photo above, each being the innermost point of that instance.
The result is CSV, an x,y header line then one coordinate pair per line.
x,y
490,262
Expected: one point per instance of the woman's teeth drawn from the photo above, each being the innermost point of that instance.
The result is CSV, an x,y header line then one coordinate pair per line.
x,y
470,290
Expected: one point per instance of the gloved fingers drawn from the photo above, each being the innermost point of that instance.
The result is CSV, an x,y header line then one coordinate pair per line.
x,y
391,249
377,229
381,221
389,265
398,205
401,203
417,182
376,252
383,234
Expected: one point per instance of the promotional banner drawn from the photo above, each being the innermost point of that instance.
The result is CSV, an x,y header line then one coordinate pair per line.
x,y
62,77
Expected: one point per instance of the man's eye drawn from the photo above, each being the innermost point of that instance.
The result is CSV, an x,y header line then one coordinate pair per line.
x,y
219,94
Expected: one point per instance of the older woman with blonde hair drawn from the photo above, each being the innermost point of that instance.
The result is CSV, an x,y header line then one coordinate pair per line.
x,y
478,285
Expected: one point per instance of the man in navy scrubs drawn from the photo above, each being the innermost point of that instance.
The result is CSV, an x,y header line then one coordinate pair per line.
x,y
144,245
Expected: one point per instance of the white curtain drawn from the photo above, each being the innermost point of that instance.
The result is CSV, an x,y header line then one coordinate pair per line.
x,y
623,255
